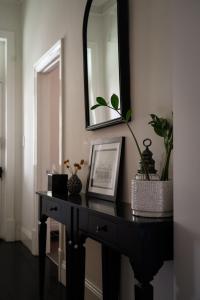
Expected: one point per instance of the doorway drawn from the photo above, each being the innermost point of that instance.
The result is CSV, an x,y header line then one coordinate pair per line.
x,y
48,136
48,141
48,94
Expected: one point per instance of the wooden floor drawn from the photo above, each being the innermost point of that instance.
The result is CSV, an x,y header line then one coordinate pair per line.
x,y
19,279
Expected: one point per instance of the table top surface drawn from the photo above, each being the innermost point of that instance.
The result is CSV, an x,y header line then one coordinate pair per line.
x,y
119,209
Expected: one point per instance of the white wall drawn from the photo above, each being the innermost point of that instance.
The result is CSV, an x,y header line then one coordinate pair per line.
x,y
186,100
10,21
44,22
2,61
151,90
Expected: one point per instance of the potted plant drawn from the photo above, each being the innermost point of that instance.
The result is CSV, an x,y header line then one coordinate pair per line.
x,y
155,198
151,198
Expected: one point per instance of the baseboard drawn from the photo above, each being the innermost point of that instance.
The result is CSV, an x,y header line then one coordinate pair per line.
x,y
88,284
63,273
26,238
18,232
34,248
60,262
10,230
93,289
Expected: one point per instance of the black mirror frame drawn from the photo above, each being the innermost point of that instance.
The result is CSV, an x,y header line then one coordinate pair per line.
x,y
124,67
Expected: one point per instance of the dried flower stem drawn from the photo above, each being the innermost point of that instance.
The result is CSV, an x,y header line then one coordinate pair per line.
x,y
77,166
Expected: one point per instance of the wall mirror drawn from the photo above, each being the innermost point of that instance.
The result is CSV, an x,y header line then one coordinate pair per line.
x,y
106,59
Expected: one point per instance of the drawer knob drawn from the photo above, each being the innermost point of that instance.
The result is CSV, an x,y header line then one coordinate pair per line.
x,y
53,208
101,228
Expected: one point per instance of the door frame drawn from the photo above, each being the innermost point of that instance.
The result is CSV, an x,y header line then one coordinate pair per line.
x,y
8,230
52,57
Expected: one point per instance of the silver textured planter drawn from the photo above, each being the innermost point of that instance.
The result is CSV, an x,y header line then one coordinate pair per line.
x,y
152,198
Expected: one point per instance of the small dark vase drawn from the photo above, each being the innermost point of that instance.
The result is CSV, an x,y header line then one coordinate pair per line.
x,y
74,184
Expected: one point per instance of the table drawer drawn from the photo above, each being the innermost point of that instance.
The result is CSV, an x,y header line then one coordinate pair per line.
x,y
54,210
102,229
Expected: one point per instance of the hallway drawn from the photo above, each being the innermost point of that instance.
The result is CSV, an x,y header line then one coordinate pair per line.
x,y
19,278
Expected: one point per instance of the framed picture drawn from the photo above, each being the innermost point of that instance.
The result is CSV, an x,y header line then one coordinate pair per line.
x,y
105,160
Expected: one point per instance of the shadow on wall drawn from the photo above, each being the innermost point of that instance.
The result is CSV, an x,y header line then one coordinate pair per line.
x,y
163,282
127,280
185,287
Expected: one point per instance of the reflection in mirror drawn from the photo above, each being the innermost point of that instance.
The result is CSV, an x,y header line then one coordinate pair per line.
x,y
102,57
106,59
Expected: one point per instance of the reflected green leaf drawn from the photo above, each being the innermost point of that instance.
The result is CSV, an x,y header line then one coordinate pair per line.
x,y
115,101
101,101
95,106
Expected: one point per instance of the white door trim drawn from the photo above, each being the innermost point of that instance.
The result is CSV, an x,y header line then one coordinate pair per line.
x,y
8,224
53,56
2,121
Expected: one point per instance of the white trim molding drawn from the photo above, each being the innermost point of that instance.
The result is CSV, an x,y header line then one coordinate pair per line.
x,y
96,291
45,64
53,54
26,237
93,289
62,278
8,222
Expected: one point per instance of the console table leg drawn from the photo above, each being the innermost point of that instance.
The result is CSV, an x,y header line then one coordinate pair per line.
x,y
110,273
79,258
75,271
143,291
42,238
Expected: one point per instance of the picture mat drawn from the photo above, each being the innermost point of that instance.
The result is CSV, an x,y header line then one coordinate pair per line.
x,y
104,168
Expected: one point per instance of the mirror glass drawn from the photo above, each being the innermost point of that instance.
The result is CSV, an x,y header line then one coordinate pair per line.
x,y
106,59
102,57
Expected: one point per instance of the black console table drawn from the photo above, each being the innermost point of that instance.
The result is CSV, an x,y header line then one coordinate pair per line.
x,y
147,242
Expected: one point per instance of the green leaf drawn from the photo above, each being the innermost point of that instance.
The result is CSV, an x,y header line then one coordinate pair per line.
x,y
158,131
153,116
101,101
95,106
128,115
115,101
158,124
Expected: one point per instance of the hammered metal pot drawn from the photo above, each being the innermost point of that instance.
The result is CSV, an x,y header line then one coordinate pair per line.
x,y
152,198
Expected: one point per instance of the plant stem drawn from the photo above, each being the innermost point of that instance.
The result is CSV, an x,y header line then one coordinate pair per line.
x,y
139,150
136,142
165,172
